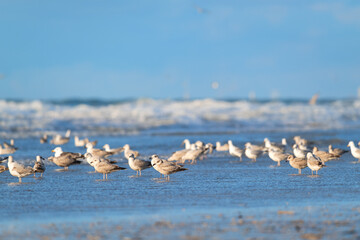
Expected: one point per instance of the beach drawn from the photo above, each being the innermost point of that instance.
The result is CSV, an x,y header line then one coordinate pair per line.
x,y
219,197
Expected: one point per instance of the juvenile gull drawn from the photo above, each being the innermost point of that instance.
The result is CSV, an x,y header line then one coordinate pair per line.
x,y
337,151
91,159
118,150
277,156
354,150
235,151
19,170
97,152
298,163
44,139
276,147
193,154
314,163
222,148
7,149
105,167
65,159
60,140
177,156
252,151
165,167
324,156
137,164
128,151
39,165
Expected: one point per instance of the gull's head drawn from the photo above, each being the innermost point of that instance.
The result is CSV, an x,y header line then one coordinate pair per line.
x,y
154,156
266,140
131,155
290,157
283,141
106,147
95,161
38,158
351,144
89,145
68,132
247,145
155,161
230,142
315,149
126,147
57,150
297,138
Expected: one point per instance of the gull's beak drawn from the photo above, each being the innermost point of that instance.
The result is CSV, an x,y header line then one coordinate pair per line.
x,y
348,145
52,150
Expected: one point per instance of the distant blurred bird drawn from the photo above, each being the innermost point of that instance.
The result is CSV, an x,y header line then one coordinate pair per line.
x,y
39,165
44,139
60,140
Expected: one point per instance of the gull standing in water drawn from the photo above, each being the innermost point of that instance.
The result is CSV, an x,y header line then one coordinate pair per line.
x,y
337,151
65,159
19,170
137,164
97,152
222,148
193,154
354,150
60,140
276,147
128,151
298,163
165,167
39,165
252,151
235,151
277,156
118,150
44,139
324,156
7,149
314,163
105,167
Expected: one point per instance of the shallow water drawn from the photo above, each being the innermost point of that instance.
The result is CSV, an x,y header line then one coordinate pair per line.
x,y
214,191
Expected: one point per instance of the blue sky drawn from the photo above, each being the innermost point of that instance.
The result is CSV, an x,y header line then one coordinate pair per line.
x,y
174,49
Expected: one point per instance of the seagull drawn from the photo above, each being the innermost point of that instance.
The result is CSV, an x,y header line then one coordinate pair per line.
x,y
354,150
107,148
91,159
7,149
177,156
277,156
97,152
80,142
19,170
235,151
65,159
222,148
187,143
324,156
314,163
39,165
193,154
105,167
3,159
252,151
276,147
60,140
137,164
44,139
337,151
299,153
128,151
165,167
298,163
